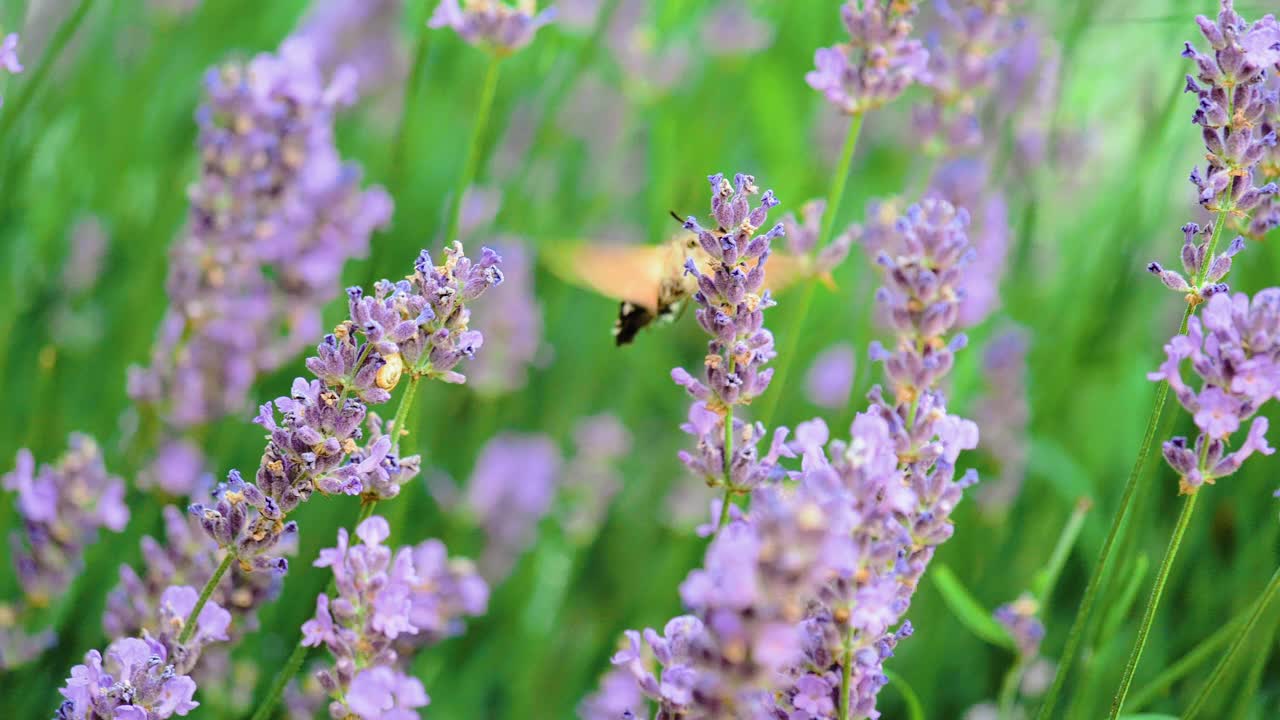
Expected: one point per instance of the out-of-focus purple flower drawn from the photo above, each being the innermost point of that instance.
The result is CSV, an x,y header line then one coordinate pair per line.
x,y
177,469
62,508
383,600
652,62
965,182
1234,347
9,57
618,695
492,24
591,478
966,57
802,240
512,322
381,693
274,216
830,377
731,29
1267,216
510,490
362,36
1020,620
1003,415
877,64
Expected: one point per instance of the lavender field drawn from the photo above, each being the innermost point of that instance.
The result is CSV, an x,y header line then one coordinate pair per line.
x,y
639,359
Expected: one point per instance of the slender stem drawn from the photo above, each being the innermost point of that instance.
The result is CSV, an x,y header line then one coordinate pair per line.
x,y
1187,663
834,196
287,672
728,460
915,710
189,627
846,674
1219,222
1044,582
1009,689
11,110
1242,637
1078,626
1153,603
402,411
400,143
487,93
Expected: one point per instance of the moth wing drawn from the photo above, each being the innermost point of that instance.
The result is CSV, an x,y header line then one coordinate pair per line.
x,y
783,270
629,273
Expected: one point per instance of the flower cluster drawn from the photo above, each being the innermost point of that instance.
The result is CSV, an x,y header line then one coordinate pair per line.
x,y
1019,619
361,36
62,507
1003,414
9,57
802,241
1235,349
417,326
731,308
966,57
274,215
730,655
382,599
492,24
877,64
1233,104
1232,101
1267,216
146,677
965,182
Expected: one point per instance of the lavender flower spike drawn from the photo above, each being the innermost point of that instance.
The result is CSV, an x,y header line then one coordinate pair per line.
x,y
877,64
417,326
731,304
1235,349
492,24
1233,110
383,599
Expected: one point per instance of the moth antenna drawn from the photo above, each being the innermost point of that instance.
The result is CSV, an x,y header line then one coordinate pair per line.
x,y
677,217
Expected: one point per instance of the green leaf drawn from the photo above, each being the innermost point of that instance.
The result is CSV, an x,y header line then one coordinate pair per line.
x,y
1149,716
967,609
915,710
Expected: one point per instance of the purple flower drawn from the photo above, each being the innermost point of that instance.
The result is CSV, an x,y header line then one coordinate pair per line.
x,y
830,377
141,678
1003,414
877,64
62,507
618,695
9,57
381,693
1235,112
274,216
512,321
492,24
358,38
731,29
1019,619
1234,347
177,469
387,605
510,490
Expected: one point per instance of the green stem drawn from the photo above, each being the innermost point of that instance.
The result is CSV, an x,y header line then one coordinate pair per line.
x,y
189,627
915,709
1009,689
1245,634
400,143
846,674
11,110
835,195
1045,581
1219,222
1153,603
1186,664
1077,632
728,460
402,412
287,671
487,93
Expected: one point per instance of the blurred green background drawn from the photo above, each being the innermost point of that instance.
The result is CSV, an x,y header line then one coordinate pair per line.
x,y
109,133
